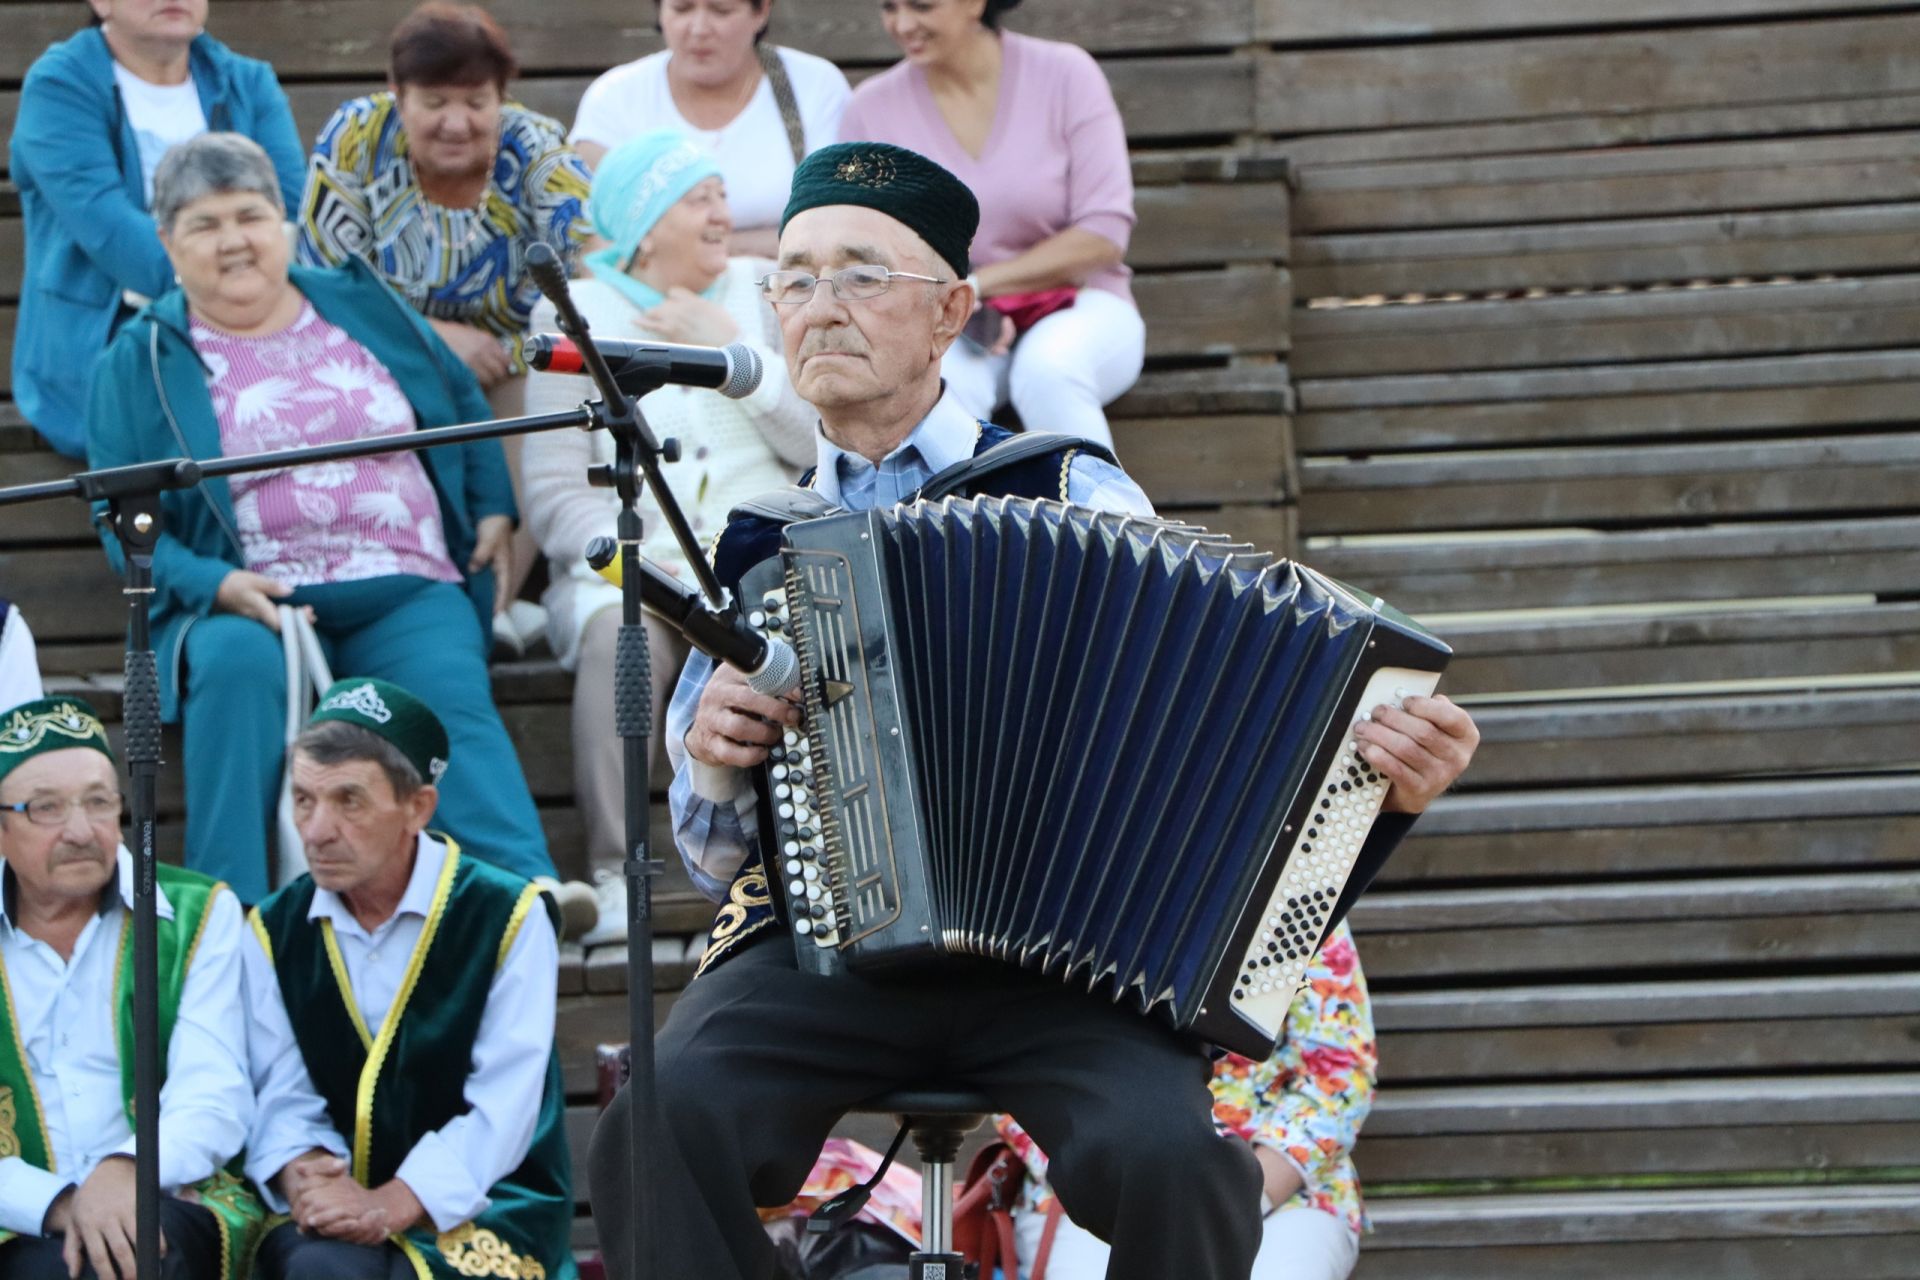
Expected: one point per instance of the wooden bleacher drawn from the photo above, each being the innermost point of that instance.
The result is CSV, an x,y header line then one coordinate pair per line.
x,y
1592,331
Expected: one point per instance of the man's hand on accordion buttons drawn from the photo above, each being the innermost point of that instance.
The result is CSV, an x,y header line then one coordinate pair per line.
x,y
733,725
1420,747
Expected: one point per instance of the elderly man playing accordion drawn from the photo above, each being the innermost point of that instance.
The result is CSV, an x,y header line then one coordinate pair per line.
x,y
759,1059
66,1024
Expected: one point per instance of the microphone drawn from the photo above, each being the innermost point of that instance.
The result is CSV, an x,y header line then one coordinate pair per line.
x,y
769,663
734,370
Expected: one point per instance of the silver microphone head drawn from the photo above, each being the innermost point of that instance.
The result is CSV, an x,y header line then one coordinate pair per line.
x,y
743,371
779,672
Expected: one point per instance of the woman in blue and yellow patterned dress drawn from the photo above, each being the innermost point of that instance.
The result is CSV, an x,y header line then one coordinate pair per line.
x,y
441,184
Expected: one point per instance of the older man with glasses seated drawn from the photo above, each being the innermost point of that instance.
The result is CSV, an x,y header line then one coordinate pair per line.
x,y
66,1074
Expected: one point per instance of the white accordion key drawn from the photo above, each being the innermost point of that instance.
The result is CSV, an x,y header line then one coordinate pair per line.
x,y
1346,803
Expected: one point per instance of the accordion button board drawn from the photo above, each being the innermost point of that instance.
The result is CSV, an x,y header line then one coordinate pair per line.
x,y
1110,750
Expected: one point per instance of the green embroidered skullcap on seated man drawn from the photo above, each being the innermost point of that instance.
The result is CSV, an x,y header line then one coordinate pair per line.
x,y
386,709
49,724
902,184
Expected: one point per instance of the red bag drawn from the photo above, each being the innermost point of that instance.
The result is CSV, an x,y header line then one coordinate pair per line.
x,y
983,1214
1029,309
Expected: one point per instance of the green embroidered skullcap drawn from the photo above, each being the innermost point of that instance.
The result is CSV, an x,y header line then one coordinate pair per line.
x,y
902,184
49,724
396,715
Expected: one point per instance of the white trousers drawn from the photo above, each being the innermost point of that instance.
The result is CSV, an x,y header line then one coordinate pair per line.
x,y
1063,371
1295,1244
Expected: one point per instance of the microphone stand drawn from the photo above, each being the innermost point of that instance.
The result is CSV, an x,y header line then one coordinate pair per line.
x,y
133,498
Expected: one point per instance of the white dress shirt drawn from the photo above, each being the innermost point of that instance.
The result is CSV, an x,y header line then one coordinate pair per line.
x,y
66,1014
712,805
450,1169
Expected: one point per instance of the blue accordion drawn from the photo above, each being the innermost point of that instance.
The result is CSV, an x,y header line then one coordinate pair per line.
x,y
1107,749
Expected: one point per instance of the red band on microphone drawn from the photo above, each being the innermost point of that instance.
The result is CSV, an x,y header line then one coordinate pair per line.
x,y
559,356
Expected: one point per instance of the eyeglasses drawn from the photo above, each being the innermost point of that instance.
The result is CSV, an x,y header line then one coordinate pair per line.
x,y
850,284
52,811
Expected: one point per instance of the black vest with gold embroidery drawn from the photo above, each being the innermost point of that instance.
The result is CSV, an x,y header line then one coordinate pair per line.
x,y
750,539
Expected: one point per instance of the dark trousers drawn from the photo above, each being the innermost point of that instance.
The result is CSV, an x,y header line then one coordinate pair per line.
x,y
193,1249
758,1061
287,1255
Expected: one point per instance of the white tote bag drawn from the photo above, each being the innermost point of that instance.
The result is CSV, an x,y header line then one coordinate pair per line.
x,y
308,676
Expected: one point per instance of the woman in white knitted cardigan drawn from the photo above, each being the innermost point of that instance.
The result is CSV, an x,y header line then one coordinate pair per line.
x,y
660,203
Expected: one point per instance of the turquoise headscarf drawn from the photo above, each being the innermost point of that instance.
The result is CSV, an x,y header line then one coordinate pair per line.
x,y
634,185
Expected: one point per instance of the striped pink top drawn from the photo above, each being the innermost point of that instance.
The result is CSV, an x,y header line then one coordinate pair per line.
x,y
334,522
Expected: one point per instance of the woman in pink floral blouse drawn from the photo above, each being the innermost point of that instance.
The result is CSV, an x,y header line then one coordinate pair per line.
x,y
1301,1109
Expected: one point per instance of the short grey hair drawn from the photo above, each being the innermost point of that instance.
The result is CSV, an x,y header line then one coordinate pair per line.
x,y
338,742
209,165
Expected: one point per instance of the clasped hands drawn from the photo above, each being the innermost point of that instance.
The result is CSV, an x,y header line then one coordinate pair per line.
x,y
324,1199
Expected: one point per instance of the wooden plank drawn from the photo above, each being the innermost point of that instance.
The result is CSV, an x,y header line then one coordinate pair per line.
x,y
1872,238
1866,1257
1780,1213
1594,653
1600,486
1196,313
1651,415
1664,181
1643,125
1439,910
70,594
1704,1045
1820,369
60,521
1623,950
1615,1106
1664,739
1689,1002
1312,21
13,257
1767,1143
1722,321
1457,81
1201,224
1204,460
349,37
1548,571
1167,393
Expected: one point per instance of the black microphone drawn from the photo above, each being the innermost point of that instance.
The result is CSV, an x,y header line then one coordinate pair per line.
x,y
734,370
769,663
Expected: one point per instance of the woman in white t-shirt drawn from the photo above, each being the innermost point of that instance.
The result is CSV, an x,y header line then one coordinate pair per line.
x,y
756,109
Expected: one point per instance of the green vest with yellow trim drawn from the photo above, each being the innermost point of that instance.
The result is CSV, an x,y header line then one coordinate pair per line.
x,y
23,1131
385,1092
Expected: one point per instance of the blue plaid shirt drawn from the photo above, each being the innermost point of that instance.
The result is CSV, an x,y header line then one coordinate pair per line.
x,y
712,806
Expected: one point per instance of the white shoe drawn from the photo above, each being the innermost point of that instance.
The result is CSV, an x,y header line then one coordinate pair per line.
x,y
578,903
518,631
610,895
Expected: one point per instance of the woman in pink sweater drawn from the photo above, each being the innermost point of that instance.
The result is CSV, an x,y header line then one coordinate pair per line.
x,y
1031,126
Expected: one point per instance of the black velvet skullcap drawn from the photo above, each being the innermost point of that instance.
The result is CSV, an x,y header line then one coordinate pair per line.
x,y
903,184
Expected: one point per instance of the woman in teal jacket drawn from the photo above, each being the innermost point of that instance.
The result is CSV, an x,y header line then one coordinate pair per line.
x,y
76,157
395,559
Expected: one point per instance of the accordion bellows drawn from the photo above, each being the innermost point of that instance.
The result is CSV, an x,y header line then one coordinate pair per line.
x,y
1108,749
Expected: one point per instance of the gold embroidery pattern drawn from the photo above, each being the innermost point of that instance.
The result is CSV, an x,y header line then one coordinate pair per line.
x,y
9,1117
1066,465
730,925
475,1251
25,732
870,170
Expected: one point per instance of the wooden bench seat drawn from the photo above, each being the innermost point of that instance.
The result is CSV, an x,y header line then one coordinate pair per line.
x,y
1697,927
1569,568
1596,833
1811,1232
1619,1130
1717,321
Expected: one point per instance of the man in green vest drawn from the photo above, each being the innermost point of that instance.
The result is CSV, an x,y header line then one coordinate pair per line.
x,y
66,1024
421,989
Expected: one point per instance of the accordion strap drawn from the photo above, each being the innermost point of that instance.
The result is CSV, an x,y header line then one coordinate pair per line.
x,y
1008,453
786,506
